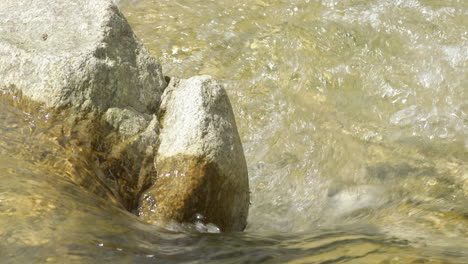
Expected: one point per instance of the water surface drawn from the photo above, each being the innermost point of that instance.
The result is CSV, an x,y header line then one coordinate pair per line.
x,y
353,116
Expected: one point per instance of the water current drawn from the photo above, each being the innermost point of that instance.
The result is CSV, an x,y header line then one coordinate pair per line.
x,y
354,121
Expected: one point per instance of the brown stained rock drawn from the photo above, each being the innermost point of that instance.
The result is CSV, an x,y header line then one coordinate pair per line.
x,y
200,161
81,60
188,187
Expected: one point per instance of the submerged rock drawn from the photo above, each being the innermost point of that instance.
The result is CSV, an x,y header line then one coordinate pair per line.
x,y
82,58
202,171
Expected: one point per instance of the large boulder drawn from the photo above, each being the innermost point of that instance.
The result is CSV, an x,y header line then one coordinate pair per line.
x,y
202,173
79,53
82,57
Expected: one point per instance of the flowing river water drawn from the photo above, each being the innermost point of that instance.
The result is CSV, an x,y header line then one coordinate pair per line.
x,y
354,121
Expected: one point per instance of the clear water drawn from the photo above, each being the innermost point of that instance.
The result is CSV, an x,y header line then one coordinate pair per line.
x,y
354,120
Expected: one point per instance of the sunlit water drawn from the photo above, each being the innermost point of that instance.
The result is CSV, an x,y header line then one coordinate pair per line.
x,y
353,116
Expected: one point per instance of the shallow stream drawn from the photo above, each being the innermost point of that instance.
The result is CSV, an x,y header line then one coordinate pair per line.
x,y
354,121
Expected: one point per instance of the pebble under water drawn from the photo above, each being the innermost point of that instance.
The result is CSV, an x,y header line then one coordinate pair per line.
x,y
353,117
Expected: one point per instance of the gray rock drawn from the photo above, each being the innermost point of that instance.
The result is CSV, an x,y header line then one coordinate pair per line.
x,y
133,153
202,173
126,121
81,57
79,53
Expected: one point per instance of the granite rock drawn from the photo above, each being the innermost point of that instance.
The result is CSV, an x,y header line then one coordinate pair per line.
x,y
76,54
202,173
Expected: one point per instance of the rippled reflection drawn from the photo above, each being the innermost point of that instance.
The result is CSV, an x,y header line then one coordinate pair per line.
x,y
350,111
